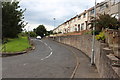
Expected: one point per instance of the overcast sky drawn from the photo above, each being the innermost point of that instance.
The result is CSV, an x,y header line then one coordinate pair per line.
x,y
43,11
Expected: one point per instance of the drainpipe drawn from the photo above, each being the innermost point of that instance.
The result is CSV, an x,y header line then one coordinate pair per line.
x,y
93,39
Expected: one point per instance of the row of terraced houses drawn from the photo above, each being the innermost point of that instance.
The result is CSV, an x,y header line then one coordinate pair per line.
x,y
80,22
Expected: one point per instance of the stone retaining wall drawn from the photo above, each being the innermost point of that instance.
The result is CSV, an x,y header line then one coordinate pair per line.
x,y
84,43
113,40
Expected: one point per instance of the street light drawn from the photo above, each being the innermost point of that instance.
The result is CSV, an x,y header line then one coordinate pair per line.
x,y
93,39
28,28
29,34
119,10
54,26
54,21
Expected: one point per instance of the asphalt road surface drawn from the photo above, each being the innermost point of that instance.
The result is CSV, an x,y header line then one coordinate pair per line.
x,y
49,60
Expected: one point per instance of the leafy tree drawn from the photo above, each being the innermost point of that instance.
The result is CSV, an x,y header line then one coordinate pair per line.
x,y
104,21
40,30
12,19
32,34
49,32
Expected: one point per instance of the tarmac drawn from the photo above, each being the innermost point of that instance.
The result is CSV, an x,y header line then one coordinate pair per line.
x,y
84,69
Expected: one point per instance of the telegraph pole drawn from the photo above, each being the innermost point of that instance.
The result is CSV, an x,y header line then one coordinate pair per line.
x,y
119,10
54,21
54,28
29,34
93,39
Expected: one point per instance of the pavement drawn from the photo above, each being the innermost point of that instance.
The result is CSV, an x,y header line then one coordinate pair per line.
x,y
50,59
84,69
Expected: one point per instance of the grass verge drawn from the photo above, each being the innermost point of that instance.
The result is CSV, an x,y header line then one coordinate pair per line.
x,y
16,45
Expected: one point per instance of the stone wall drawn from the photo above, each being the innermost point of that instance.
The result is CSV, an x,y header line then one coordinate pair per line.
x,y
84,43
113,40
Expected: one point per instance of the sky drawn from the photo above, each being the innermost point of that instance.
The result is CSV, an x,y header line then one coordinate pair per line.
x,y
43,12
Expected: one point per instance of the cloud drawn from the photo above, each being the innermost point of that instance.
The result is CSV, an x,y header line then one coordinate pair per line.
x,y
43,11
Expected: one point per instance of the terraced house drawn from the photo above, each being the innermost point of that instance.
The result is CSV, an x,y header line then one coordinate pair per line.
x,y
80,22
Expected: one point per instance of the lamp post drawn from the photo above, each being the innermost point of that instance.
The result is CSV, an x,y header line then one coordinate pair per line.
x,y
54,21
93,39
28,31
119,10
54,28
28,34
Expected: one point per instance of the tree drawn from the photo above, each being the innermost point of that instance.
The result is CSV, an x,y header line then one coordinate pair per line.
x,y
49,32
12,19
40,30
32,34
104,21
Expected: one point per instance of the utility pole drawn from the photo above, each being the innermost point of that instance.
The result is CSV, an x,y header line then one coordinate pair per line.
x,y
54,21
119,10
93,39
28,34
54,28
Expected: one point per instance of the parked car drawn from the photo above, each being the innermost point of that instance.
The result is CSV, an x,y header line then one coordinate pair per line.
x,y
38,37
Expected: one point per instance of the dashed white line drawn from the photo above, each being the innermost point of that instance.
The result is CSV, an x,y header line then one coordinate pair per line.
x,y
47,56
50,50
45,44
25,64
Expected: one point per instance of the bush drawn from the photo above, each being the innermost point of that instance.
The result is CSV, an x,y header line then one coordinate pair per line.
x,y
96,32
101,36
23,34
32,34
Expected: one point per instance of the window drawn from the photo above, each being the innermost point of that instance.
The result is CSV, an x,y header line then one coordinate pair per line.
x,y
84,15
82,26
79,17
101,7
75,29
92,11
75,24
78,27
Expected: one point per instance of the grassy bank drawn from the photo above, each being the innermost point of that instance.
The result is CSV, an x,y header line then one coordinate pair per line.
x,y
17,44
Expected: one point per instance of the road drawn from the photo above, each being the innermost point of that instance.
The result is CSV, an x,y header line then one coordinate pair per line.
x,y
49,60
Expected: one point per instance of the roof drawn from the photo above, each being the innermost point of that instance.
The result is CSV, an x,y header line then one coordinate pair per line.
x,y
98,5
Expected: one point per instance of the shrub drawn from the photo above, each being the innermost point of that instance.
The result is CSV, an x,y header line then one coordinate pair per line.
x,y
101,36
96,32
32,34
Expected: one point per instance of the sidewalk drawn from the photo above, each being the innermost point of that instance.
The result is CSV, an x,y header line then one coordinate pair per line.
x,y
84,70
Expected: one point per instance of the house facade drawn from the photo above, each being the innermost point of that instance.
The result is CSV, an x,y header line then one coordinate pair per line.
x,y
80,22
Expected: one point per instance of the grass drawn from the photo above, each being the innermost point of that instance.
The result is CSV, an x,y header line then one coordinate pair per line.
x,y
17,44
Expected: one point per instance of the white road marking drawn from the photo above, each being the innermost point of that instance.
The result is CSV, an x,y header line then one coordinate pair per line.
x,y
40,41
46,44
25,64
47,56
50,50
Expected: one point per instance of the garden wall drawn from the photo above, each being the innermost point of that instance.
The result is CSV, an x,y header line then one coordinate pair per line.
x,y
113,40
84,43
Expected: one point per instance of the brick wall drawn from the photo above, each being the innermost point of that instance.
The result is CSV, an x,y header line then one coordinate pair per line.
x,y
84,43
